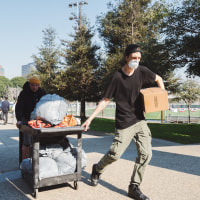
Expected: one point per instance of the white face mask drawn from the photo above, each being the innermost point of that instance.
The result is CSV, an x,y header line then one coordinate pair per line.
x,y
133,64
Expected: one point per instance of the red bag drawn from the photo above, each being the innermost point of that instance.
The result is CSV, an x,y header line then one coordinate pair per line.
x,y
39,124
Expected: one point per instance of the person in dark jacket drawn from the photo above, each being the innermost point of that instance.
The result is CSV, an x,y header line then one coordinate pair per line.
x,y
5,106
26,103
27,100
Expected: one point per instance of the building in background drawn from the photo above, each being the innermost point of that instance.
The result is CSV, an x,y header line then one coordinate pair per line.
x,y
27,69
1,71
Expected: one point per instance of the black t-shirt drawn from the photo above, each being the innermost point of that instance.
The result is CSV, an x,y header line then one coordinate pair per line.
x,y
126,92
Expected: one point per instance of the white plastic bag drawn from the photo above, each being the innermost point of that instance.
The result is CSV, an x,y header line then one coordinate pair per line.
x,y
66,163
51,108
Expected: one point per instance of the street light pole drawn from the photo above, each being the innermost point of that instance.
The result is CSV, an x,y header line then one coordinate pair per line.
x,y
78,16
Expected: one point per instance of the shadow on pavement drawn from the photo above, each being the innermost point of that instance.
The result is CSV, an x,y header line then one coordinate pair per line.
x,y
14,189
178,162
9,152
86,179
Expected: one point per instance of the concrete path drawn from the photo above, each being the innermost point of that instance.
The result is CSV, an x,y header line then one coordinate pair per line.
x,y
173,173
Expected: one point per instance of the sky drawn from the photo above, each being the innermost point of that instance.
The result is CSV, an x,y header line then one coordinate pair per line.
x,y
22,23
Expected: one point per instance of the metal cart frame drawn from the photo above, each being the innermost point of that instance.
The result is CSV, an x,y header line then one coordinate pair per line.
x,y
42,134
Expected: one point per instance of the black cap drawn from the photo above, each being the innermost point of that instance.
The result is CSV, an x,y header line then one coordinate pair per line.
x,y
132,48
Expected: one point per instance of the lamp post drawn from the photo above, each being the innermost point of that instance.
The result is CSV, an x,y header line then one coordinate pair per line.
x,y
78,16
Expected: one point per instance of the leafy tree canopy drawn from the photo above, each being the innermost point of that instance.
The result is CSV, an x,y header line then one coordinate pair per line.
x,y
182,31
4,84
132,21
189,92
18,81
172,84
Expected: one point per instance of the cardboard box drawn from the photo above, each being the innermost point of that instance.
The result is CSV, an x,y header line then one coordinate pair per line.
x,y
155,99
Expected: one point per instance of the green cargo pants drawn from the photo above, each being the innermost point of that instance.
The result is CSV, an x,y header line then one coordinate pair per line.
x,y
141,135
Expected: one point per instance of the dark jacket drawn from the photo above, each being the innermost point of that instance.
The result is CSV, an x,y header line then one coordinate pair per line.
x,y
26,102
5,106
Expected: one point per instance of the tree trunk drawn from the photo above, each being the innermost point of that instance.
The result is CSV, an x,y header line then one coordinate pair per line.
x,y
82,112
161,116
189,114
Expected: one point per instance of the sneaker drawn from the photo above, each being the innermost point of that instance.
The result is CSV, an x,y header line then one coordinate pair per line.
x,y
135,193
95,176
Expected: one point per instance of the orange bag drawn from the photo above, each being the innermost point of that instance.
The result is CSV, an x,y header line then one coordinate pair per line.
x,y
69,120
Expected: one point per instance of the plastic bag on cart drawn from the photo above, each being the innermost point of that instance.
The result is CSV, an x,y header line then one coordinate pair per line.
x,y
51,151
51,108
26,165
66,162
83,156
47,167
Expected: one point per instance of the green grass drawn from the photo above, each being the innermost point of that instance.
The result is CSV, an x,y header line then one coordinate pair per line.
x,y
180,133
105,125
110,113
154,115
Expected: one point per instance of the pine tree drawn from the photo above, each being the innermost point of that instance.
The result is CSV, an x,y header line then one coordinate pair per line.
x,y
48,61
80,78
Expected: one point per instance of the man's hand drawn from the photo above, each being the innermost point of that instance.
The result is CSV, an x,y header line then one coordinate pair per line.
x,y
19,124
159,81
86,124
102,104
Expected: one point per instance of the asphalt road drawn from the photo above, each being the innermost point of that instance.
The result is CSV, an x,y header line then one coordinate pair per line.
x,y
173,173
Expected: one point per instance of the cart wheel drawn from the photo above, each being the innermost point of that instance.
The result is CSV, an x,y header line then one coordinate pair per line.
x,y
75,185
35,194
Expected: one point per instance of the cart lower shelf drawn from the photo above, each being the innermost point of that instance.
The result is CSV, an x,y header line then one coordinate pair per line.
x,y
56,180
46,134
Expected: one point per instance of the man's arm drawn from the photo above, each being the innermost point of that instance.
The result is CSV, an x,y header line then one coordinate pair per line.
x,y
102,104
159,81
19,110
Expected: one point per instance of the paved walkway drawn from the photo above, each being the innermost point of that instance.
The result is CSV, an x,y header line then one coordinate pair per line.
x,y
173,173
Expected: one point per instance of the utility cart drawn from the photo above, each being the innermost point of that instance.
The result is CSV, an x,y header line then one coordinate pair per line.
x,y
50,135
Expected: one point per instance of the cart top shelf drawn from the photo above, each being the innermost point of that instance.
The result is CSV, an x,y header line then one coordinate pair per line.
x,y
51,131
